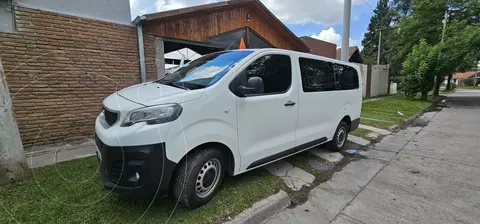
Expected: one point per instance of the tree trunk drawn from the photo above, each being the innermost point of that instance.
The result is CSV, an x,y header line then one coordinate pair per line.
x,y
449,82
424,96
436,87
13,165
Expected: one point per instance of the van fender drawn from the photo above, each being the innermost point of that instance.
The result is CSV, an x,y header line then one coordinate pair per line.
x,y
344,112
196,134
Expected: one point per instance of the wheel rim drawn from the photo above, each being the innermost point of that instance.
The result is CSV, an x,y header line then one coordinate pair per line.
x,y
341,137
208,178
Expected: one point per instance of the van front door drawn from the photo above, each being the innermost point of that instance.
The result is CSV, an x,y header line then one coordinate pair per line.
x,y
267,121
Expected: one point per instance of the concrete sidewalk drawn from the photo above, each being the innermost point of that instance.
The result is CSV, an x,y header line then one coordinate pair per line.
x,y
419,175
59,153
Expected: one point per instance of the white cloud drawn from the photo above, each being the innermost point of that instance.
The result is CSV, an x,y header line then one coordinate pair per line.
x,y
133,3
325,12
331,35
165,5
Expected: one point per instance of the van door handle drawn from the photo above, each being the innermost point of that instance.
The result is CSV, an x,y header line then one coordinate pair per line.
x,y
290,103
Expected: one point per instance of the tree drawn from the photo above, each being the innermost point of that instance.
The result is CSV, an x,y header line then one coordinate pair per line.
x,y
459,51
469,82
401,8
461,48
381,20
424,21
13,165
418,70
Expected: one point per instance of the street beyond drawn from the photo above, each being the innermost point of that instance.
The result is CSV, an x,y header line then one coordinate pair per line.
x,y
420,175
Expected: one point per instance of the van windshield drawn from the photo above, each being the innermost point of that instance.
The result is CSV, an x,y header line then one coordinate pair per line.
x,y
204,71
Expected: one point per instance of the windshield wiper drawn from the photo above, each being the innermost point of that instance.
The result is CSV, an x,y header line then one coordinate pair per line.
x,y
175,85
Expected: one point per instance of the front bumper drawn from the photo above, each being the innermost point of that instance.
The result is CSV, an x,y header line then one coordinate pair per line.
x,y
120,167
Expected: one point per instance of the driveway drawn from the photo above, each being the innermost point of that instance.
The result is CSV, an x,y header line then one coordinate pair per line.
x,y
419,175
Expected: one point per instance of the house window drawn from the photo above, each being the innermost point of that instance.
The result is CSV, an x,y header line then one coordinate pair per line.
x,y
7,22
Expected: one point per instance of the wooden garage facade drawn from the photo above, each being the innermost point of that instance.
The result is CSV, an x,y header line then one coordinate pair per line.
x,y
214,27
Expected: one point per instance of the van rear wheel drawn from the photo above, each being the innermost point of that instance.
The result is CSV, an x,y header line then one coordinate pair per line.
x,y
339,138
198,177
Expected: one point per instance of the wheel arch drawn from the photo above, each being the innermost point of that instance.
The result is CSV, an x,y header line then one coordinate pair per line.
x,y
347,120
220,146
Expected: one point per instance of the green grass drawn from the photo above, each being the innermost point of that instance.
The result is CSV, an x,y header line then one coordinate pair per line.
x,y
468,87
301,161
374,97
386,110
359,132
71,192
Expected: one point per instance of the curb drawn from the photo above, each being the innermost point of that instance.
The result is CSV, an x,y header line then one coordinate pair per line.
x,y
411,119
264,209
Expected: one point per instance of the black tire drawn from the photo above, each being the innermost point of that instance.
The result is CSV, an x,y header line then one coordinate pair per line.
x,y
339,138
189,173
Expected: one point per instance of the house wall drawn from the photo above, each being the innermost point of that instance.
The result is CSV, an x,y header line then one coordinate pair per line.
x,y
393,88
60,68
199,26
117,11
320,47
364,70
379,85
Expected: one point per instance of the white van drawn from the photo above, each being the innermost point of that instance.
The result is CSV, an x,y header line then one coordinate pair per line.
x,y
230,111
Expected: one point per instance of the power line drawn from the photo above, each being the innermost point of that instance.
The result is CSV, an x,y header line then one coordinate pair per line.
x,y
358,9
368,5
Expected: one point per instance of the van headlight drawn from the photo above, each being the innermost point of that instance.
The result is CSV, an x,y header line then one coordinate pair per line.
x,y
153,115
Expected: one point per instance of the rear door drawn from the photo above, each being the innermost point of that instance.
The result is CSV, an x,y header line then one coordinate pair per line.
x,y
349,91
319,105
267,121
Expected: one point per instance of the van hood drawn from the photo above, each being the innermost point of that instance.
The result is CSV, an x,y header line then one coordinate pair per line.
x,y
151,93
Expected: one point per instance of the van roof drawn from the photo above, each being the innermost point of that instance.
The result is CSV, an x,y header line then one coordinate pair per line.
x,y
301,54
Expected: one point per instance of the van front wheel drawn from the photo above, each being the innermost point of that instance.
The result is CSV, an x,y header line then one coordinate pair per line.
x,y
198,177
339,138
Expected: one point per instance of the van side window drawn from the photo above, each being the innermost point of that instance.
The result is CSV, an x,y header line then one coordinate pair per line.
x,y
347,77
275,70
317,75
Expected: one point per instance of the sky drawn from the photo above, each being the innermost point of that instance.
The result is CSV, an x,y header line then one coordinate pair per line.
x,y
321,19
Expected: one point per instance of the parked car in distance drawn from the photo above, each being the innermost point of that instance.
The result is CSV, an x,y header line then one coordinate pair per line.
x,y
226,112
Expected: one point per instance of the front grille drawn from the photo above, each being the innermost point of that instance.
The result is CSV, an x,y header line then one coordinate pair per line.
x,y
117,171
110,117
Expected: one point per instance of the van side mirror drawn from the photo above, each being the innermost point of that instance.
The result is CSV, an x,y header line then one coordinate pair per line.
x,y
254,86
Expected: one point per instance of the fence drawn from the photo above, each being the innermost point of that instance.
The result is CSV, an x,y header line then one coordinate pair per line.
x,y
375,80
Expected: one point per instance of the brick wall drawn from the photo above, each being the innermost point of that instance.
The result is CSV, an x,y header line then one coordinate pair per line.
x,y
60,68
149,49
320,47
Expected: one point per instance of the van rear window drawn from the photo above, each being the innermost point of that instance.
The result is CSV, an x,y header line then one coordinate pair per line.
x,y
318,76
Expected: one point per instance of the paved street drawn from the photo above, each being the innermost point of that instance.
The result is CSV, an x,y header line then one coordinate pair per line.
x,y
419,175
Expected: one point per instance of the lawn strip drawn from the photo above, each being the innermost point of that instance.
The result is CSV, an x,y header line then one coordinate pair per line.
x,y
72,192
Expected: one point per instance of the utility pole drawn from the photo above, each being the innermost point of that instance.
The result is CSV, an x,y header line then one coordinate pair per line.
x,y
379,46
347,9
437,81
13,166
444,25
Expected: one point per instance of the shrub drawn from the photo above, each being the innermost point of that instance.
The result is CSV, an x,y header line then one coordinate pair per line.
x,y
418,70
469,82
